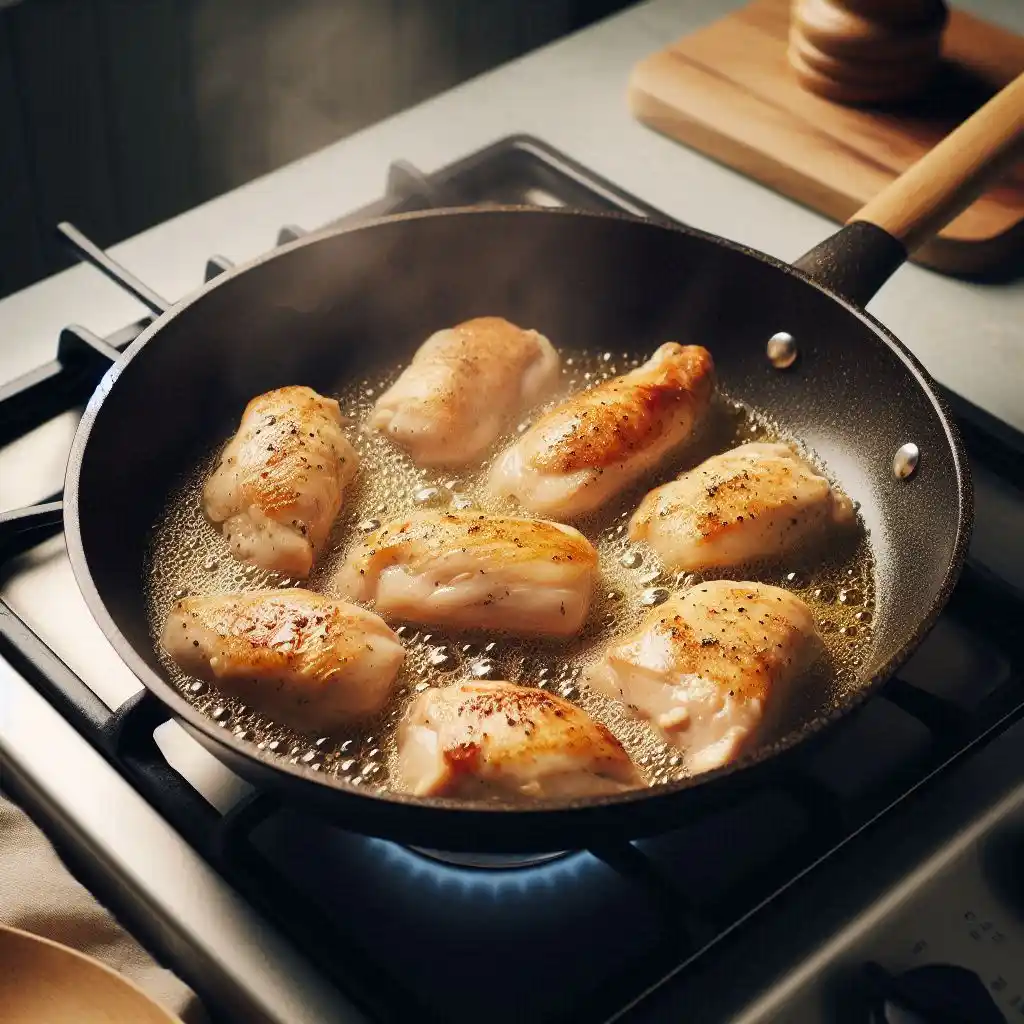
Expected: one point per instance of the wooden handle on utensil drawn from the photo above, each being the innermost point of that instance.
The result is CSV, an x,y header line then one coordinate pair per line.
x,y
948,179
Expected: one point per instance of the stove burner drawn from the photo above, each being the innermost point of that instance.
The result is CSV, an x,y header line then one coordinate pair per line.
x,y
667,896
490,861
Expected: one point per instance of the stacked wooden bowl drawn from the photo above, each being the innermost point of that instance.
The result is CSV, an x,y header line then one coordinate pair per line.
x,y
866,51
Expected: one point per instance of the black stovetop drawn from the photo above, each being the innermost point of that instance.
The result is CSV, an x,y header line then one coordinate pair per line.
x,y
580,937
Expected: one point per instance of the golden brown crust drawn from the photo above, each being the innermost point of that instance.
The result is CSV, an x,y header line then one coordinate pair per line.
x,y
289,460
492,336
476,353
605,423
293,444
757,489
724,505
704,654
738,643
421,537
270,632
531,724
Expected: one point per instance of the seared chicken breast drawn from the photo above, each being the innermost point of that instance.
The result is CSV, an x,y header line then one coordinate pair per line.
x,y
480,740
463,388
579,455
759,501
475,571
711,668
303,659
279,482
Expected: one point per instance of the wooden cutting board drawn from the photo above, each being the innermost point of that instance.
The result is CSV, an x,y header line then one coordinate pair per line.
x,y
728,91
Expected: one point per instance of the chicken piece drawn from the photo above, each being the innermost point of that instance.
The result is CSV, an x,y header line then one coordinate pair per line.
x,y
463,388
495,739
303,659
474,571
755,502
279,482
581,454
711,668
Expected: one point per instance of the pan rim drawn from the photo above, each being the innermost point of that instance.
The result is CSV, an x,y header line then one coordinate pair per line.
x,y
463,812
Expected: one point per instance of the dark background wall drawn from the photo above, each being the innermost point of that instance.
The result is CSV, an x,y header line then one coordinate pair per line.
x,y
117,114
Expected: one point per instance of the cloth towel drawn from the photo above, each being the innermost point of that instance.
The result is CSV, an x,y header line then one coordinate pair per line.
x,y
39,895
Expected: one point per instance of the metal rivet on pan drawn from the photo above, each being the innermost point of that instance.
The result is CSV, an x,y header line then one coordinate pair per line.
x,y
904,462
782,350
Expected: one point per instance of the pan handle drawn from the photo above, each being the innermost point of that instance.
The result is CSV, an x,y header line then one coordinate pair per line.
x,y
859,258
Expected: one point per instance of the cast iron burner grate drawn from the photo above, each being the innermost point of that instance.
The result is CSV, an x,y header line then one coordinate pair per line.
x,y
963,687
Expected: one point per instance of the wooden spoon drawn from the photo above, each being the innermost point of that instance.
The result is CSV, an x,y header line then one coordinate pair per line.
x,y
43,982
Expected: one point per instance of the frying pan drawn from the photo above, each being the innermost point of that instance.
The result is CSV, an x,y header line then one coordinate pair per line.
x,y
337,303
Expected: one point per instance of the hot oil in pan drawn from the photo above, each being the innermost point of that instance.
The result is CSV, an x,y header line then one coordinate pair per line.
x,y
188,556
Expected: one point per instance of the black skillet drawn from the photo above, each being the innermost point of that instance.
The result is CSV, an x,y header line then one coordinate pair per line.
x,y
333,304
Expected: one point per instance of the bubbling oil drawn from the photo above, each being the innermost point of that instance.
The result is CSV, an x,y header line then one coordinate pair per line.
x,y
189,557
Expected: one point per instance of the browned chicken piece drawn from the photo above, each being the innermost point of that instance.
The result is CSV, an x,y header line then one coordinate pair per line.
x,y
475,571
463,387
480,740
303,659
579,455
756,502
711,668
279,482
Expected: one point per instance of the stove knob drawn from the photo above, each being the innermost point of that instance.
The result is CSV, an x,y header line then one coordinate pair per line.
x,y
933,994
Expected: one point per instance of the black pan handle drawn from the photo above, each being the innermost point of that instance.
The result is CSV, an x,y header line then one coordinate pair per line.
x,y
859,258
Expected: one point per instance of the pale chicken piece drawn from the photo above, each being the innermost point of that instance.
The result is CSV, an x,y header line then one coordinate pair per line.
x,y
463,387
581,454
712,668
475,571
303,659
495,739
279,483
756,502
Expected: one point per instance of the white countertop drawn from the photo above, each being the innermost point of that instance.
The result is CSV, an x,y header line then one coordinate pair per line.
x,y
572,94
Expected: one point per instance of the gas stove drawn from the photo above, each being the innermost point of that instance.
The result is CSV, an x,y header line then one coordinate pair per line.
x,y
890,847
